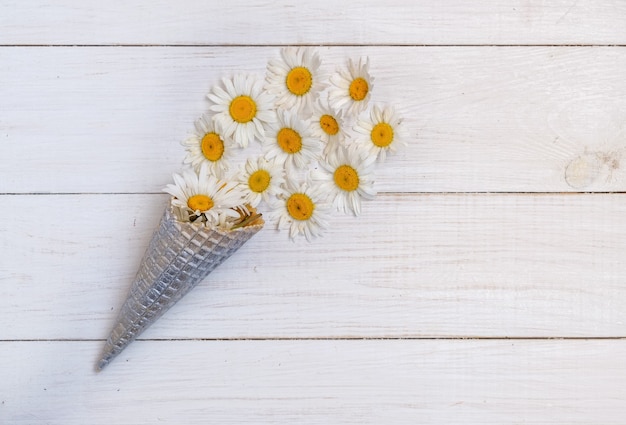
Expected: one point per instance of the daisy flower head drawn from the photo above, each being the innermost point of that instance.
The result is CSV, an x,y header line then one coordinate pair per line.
x,y
328,126
207,146
260,180
295,79
347,176
290,141
202,197
351,87
382,132
242,108
302,209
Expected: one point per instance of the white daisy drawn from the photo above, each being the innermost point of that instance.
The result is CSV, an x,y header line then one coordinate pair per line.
x,y
242,107
351,87
207,146
295,79
302,209
382,132
328,126
201,197
347,177
260,180
291,142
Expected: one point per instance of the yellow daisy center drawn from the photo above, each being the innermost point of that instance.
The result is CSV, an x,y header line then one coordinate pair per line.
x,y
346,178
259,181
300,206
329,125
212,146
242,109
382,135
289,140
299,81
200,203
358,89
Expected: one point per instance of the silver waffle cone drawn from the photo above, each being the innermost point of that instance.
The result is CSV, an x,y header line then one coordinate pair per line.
x,y
180,255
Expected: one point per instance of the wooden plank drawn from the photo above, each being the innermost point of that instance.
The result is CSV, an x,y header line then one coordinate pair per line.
x,y
530,119
317,382
455,22
411,266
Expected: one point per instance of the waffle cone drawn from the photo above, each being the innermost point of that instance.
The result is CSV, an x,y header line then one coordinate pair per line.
x,y
180,256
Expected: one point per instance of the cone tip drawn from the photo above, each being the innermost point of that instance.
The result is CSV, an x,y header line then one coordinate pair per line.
x,y
101,364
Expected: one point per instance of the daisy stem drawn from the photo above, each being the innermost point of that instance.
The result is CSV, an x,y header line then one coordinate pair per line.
x,y
249,219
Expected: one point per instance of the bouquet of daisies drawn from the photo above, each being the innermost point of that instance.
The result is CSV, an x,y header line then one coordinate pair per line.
x,y
306,142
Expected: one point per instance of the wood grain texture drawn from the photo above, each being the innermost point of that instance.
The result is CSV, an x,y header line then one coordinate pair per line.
x,y
410,266
444,303
317,382
366,22
530,119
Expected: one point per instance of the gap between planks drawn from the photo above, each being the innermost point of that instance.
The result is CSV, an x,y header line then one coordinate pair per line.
x,y
313,45
382,193
442,338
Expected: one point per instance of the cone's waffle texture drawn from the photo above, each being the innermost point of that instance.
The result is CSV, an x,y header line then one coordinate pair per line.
x,y
179,256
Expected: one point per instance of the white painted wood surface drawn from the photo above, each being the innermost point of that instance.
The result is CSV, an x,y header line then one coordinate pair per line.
x,y
450,265
319,382
526,119
193,22
444,303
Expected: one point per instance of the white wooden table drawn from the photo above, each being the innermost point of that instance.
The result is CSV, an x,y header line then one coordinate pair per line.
x,y
484,285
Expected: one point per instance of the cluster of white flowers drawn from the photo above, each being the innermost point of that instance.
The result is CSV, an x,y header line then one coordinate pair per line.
x,y
319,138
